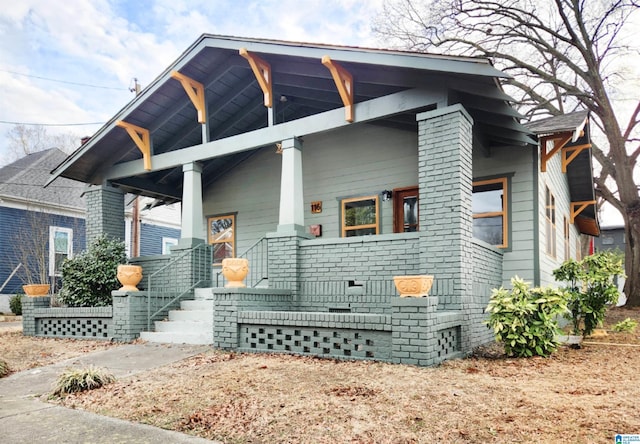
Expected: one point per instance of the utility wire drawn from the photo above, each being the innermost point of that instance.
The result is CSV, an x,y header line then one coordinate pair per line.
x,y
64,81
7,122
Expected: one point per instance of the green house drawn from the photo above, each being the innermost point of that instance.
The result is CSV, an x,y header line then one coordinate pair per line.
x,y
334,169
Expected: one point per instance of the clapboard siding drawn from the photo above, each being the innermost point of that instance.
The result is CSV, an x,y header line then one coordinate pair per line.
x,y
151,238
514,162
12,221
359,160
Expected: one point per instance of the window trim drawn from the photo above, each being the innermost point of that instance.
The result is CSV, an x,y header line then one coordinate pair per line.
x,y
567,239
168,242
505,206
550,217
210,241
52,250
398,207
376,225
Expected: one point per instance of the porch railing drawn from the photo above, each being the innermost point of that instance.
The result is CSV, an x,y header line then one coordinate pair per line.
x,y
258,256
176,280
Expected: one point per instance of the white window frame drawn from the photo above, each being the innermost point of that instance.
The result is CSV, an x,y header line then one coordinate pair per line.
x,y
167,243
52,250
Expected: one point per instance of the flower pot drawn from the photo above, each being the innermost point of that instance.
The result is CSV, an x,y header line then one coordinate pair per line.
x,y
36,290
413,286
235,270
129,276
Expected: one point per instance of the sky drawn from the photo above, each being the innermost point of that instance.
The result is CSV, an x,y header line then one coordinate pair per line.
x,y
66,63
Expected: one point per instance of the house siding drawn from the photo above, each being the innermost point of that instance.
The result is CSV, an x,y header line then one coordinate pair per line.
x,y
151,238
12,221
355,161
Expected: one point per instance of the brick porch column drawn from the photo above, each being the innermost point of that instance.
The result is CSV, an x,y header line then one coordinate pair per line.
x,y
105,212
446,220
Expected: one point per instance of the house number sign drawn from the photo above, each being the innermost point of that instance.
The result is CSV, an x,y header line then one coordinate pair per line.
x,y
316,207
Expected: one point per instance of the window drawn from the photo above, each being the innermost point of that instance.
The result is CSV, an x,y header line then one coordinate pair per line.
x,y
567,237
405,210
550,222
222,236
167,243
360,216
60,248
490,211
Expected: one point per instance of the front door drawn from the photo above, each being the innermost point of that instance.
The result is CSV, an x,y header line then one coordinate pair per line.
x,y
405,209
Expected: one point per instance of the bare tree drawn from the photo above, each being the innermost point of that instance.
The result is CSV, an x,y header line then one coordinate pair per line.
x,y
30,139
562,55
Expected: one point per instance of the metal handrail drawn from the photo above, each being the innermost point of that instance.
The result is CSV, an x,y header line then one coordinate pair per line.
x,y
164,287
258,256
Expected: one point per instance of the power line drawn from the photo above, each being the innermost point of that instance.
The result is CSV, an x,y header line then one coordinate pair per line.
x,y
7,122
64,81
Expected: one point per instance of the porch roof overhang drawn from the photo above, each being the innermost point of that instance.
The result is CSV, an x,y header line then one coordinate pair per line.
x,y
389,88
580,169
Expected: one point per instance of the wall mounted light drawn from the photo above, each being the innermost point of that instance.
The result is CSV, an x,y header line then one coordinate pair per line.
x,y
386,195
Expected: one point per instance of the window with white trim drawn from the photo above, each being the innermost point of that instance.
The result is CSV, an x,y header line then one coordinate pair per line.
x,y
167,243
60,248
550,221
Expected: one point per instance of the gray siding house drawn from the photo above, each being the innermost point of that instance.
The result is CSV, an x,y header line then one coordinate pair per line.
x,y
334,169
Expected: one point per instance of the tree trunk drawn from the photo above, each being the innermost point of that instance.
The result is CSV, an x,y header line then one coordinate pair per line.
x,y
632,257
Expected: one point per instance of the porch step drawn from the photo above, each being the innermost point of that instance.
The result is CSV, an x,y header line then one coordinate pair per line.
x,y
192,324
203,294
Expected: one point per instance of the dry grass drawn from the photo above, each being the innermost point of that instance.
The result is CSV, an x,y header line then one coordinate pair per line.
x,y
576,396
25,352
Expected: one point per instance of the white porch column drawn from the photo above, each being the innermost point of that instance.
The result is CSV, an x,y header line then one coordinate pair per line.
x,y
291,192
193,232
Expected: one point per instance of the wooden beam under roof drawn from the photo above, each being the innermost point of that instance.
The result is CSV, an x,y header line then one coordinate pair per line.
x,y
262,70
344,83
141,138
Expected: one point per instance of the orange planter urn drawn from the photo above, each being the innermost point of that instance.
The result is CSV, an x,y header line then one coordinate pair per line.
x,y
235,271
129,276
36,290
413,286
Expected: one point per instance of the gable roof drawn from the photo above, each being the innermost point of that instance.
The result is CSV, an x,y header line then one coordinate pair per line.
x,y
24,180
580,169
302,87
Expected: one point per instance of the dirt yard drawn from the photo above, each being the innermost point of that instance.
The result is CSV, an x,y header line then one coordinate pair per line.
x,y
576,396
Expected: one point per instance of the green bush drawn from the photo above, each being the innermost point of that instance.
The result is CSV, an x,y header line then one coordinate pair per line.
x,y
15,304
78,380
524,319
89,278
590,288
627,326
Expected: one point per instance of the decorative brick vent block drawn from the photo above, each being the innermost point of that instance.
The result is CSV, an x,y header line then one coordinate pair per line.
x,y
413,286
76,327
448,342
359,344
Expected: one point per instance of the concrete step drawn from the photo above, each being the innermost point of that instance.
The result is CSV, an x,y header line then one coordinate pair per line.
x,y
191,315
185,326
200,304
177,338
203,294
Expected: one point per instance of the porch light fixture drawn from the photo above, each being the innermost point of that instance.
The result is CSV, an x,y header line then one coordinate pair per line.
x,y
386,195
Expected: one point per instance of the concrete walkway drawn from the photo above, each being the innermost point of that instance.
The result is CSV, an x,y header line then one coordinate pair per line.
x,y
23,418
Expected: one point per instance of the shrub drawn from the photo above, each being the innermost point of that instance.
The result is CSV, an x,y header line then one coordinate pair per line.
x,y
15,304
89,278
627,326
590,288
4,369
524,319
79,380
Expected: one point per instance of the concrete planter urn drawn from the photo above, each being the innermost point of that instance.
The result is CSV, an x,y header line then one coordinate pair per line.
x,y
36,290
235,271
413,286
129,276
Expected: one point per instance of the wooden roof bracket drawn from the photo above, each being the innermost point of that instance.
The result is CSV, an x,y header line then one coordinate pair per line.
x,y
344,83
141,138
195,91
559,141
579,207
262,71
570,153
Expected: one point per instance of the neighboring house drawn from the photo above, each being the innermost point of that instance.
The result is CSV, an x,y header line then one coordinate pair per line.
x,y
612,238
353,165
37,221
158,227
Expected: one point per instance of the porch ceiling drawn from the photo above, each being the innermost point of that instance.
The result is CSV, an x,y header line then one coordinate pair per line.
x,y
302,87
